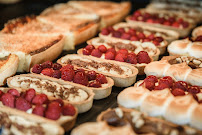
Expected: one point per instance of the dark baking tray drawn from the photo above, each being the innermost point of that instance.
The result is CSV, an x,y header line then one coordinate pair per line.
x,y
23,8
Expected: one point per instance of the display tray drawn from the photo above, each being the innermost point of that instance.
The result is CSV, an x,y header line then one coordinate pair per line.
x,y
23,8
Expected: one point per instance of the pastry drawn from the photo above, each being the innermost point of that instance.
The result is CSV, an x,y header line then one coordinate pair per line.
x,y
197,31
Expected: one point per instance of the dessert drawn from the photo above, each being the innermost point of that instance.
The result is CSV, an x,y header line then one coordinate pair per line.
x,y
100,84
123,74
197,31
80,96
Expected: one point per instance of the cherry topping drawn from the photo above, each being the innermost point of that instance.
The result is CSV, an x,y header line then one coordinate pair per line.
x,y
181,85
167,80
102,48
96,53
143,57
57,66
37,69
90,47
95,84
47,64
194,89
47,71
161,86
178,92
86,51
101,78
105,31
91,75
81,78
109,55
151,78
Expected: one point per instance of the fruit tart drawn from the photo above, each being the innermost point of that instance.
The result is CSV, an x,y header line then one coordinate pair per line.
x,y
188,47
197,31
162,20
24,111
123,74
117,52
175,101
139,34
99,83
79,96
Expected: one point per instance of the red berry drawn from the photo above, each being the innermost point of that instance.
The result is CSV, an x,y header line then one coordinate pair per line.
x,y
57,66
80,70
156,43
39,110
68,66
96,53
37,69
101,78
123,51
126,36
141,35
47,64
40,99
47,71
112,50
137,13
68,110
167,23
194,89
30,94
132,32
81,78
110,28
178,92
121,30
176,24
171,19
199,38
109,55
161,86
150,85
167,80
56,74
120,57
53,111
8,100
14,92
150,20
86,52
91,75
67,75
102,48
161,20
134,38
94,84
185,24
131,59
1,94
105,31
181,85
60,101
146,40
22,104
151,78
116,34
151,36
143,57
90,47
159,39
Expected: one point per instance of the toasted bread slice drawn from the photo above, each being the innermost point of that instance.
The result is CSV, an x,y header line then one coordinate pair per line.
x,y
31,49
110,12
8,67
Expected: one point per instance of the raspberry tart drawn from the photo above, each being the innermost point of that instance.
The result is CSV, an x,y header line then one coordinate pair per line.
x,y
188,47
138,34
162,20
117,52
27,111
197,31
100,84
123,74
80,96
176,101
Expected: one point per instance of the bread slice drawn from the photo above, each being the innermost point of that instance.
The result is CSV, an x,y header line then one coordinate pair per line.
x,y
8,67
31,49
110,12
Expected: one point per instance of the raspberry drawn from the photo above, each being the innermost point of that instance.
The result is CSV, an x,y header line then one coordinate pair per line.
x,y
109,55
81,78
176,24
178,92
161,86
57,66
80,70
123,51
171,19
199,38
86,52
8,100
101,78
110,28
167,23
150,85
116,34
105,31
39,110
47,64
47,71
181,85
30,94
143,57
159,39
150,21
111,50
68,110
151,78
131,59
60,101
91,75
119,57
14,92
121,30
167,80
146,40
90,47
67,74
102,48
132,32
141,35
96,53
94,84
194,89
126,36
53,111
1,94
37,69
56,74
161,20
68,66
185,24
134,38
22,104
156,43
151,36
40,99
137,13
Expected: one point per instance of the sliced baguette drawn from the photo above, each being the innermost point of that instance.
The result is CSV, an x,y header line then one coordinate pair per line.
x,y
123,74
78,95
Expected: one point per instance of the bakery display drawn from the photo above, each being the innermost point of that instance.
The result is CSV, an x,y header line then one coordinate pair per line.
x,y
78,95
188,47
100,84
176,101
8,67
126,53
30,110
169,21
197,31
123,74
110,12
138,34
